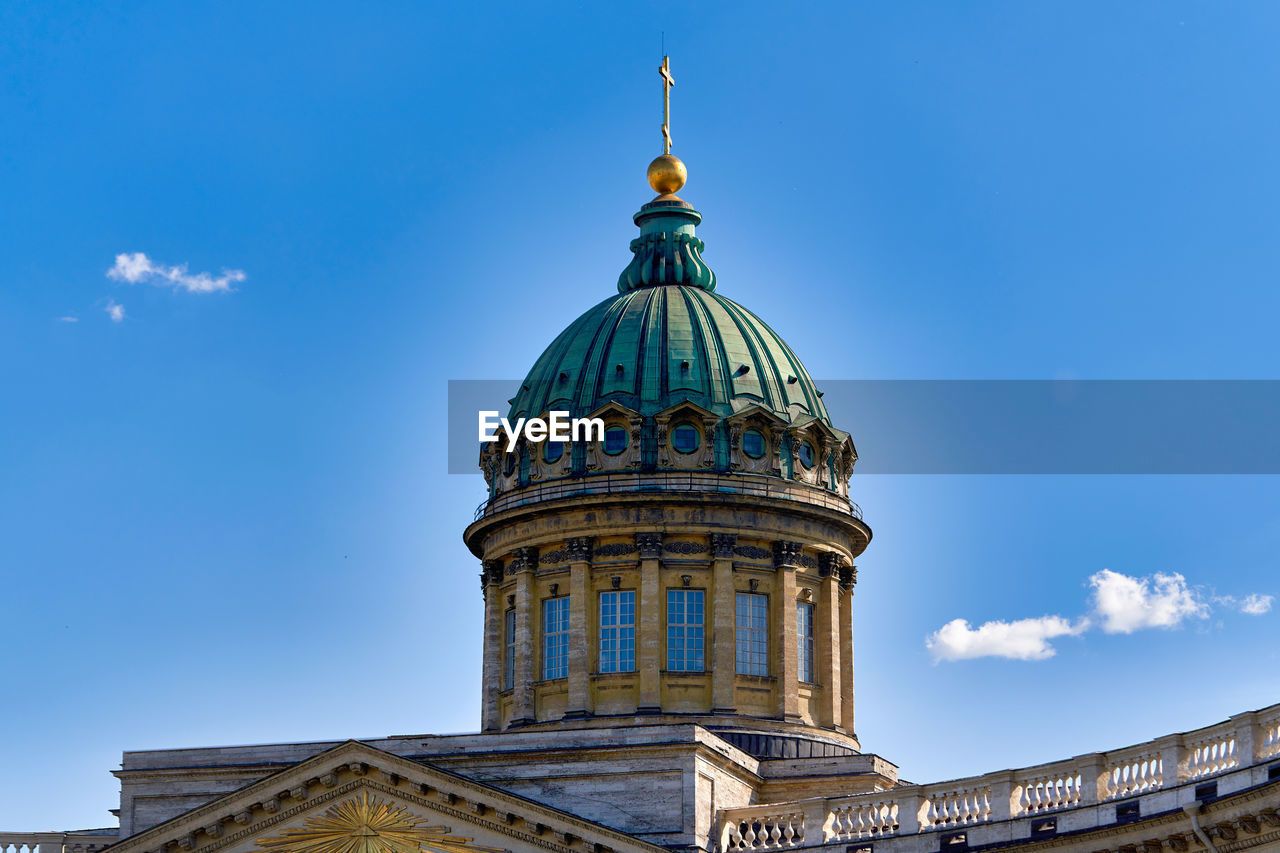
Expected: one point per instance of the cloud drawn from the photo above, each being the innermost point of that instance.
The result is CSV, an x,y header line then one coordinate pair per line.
x,y
115,311
1120,604
68,319
1256,605
1025,639
136,267
1126,604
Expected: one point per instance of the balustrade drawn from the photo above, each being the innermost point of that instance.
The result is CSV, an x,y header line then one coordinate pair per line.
x,y
1246,740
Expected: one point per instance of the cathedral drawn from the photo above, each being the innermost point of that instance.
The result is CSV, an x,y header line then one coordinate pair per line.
x,y
668,652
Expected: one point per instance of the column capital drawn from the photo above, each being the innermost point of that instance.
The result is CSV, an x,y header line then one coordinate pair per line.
x,y
490,572
580,548
786,554
848,578
830,563
722,544
524,559
650,545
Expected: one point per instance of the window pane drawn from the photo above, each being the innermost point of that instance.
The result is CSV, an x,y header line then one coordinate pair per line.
x,y
555,637
752,633
804,639
685,630
618,631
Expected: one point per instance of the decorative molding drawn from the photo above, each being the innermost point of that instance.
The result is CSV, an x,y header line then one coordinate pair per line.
x,y
615,549
552,557
751,552
830,563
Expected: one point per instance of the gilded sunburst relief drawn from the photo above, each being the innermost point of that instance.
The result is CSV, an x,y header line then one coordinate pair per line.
x,y
369,824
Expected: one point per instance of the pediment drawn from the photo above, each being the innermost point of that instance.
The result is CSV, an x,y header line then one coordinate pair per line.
x,y
355,798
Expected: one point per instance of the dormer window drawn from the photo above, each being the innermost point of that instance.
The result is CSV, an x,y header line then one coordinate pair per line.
x,y
806,454
685,438
615,440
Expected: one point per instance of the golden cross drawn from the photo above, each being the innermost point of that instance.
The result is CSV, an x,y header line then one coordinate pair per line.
x,y
667,82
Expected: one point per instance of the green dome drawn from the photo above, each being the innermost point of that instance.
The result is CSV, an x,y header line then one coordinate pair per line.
x,y
652,347
667,338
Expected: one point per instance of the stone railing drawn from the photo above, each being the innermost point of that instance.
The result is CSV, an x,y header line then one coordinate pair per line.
x,y
85,841
630,483
1244,741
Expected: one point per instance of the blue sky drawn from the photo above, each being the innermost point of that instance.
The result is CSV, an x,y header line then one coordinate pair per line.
x,y
225,517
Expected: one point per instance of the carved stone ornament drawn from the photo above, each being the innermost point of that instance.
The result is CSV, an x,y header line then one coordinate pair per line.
x,y
722,544
685,548
786,553
848,577
754,583
830,563
615,549
366,823
553,557
580,549
751,552
650,545
524,559
616,582
685,580
490,572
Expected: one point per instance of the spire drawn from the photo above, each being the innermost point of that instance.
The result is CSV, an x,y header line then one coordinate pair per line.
x,y
667,250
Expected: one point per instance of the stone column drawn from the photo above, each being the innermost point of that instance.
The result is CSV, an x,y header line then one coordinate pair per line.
x,y
522,566
579,700
649,627
722,656
848,577
828,639
494,645
786,556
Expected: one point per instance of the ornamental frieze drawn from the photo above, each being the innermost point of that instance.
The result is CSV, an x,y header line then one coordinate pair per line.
x,y
615,549
752,552
685,548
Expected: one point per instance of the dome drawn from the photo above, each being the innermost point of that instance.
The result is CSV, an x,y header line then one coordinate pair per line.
x,y
668,338
681,380
653,347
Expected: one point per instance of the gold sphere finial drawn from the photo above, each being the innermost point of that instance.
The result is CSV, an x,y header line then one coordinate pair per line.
x,y
667,174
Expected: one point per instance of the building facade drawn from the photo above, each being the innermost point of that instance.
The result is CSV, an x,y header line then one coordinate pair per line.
x,y
668,657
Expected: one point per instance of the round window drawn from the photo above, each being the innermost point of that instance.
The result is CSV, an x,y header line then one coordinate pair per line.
x,y
552,450
753,443
615,440
685,438
806,454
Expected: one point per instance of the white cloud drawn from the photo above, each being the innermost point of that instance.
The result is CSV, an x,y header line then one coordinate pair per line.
x,y
1025,639
136,267
1255,604
68,319
115,311
1126,604
1120,605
